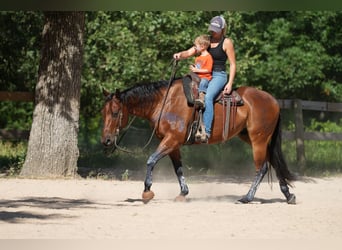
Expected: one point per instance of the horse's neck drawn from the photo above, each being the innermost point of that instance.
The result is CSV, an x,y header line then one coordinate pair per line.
x,y
140,111
151,110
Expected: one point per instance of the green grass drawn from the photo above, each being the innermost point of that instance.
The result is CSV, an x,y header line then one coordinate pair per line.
x,y
322,157
12,157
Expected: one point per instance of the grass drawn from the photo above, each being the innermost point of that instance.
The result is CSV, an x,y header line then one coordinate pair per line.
x,y
323,158
12,157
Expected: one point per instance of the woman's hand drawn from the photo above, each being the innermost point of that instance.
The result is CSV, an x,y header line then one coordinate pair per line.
x,y
227,89
177,56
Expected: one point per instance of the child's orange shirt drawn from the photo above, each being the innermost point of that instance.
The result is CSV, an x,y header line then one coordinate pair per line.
x,y
204,62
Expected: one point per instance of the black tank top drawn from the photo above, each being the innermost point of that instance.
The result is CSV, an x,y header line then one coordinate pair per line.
x,y
219,56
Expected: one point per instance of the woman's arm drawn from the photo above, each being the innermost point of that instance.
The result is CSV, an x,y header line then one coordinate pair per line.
x,y
228,47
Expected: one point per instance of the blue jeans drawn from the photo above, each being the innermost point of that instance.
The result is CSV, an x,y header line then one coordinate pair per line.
x,y
203,85
215,86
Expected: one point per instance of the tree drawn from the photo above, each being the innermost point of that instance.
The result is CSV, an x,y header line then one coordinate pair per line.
x,y
294,52
52,148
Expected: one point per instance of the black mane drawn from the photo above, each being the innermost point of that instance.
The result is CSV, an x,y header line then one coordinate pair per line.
x,y
143,93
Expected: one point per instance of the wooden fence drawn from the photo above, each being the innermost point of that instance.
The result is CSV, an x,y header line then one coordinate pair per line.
x,y
299,135
14,134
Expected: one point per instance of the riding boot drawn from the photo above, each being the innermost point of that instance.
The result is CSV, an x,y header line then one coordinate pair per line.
x,y
200,100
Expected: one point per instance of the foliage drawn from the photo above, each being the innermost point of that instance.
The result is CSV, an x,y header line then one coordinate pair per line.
x,y
19,54
292,54
20,45
297,51
12,156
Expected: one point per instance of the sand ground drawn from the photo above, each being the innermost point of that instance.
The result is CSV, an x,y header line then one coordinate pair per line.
x,y
112,209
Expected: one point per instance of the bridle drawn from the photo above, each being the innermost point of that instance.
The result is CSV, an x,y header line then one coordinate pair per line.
x,y
117,131
120,114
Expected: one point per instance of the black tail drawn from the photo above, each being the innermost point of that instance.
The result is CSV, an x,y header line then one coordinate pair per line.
x,y
276,156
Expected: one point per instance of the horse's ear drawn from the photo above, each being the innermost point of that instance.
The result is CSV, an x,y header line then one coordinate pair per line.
x,y
105,92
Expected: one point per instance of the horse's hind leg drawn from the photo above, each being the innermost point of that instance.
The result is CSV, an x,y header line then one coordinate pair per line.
x,y
258,178
177,164
290,198
261,166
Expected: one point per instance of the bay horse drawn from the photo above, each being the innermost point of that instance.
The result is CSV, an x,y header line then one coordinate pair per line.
x,y
165,106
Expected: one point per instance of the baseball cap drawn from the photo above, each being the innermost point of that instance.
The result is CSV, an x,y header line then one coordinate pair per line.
x,y
217,23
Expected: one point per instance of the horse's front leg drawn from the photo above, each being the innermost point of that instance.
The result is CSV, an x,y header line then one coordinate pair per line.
x,y
161,151
151,162
177,164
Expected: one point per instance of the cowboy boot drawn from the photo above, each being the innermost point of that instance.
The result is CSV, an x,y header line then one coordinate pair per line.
x,y
200,100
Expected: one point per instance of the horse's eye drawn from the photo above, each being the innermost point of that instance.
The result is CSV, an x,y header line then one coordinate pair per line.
x,y
115,114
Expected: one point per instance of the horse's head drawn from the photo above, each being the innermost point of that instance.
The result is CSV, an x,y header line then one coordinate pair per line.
x,y
114,116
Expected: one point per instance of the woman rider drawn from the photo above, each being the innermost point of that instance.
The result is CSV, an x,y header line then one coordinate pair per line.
x,y
221,48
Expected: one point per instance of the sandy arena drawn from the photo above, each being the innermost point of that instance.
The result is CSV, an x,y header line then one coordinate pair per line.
x,y
112,209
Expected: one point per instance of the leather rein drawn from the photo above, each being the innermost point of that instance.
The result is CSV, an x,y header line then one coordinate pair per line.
x,y
117,141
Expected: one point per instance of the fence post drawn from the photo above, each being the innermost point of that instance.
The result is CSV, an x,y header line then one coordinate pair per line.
x,y
299,134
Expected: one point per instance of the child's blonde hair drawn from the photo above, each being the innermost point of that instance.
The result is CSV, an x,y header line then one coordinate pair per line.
x,y
203,40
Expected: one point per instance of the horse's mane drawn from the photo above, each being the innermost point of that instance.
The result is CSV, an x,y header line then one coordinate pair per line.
x,y
143,92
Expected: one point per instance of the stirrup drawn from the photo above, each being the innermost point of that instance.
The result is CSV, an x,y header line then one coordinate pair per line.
x,y
204,137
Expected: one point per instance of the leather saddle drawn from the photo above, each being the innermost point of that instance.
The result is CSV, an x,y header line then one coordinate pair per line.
x,y
190,87
196,127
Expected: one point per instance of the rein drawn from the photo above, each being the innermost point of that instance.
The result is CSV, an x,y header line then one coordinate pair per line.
x,y
173,72
125,130
174,63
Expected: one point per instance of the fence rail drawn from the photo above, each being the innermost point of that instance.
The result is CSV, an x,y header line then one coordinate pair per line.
x,y
15,134
311,105
16,96
298,106
299,135
314,136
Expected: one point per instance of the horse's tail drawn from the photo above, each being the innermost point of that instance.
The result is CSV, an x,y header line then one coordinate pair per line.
x,y
276,156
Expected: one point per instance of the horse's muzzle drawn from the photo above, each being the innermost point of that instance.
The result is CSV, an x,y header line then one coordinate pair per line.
x,y
108,140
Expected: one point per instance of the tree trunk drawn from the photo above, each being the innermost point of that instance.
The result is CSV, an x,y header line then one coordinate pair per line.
x,y
52,147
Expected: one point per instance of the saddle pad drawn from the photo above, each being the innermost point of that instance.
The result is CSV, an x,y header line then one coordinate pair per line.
x,y
189,90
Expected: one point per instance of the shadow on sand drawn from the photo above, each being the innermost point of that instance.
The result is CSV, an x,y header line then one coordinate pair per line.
x,y
48,203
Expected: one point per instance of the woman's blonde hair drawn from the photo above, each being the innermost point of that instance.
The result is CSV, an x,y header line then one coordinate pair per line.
x,y
224,29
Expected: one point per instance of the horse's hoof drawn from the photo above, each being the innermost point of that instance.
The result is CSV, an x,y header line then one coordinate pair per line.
x,y
147,196
292,199
180,198
243,200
